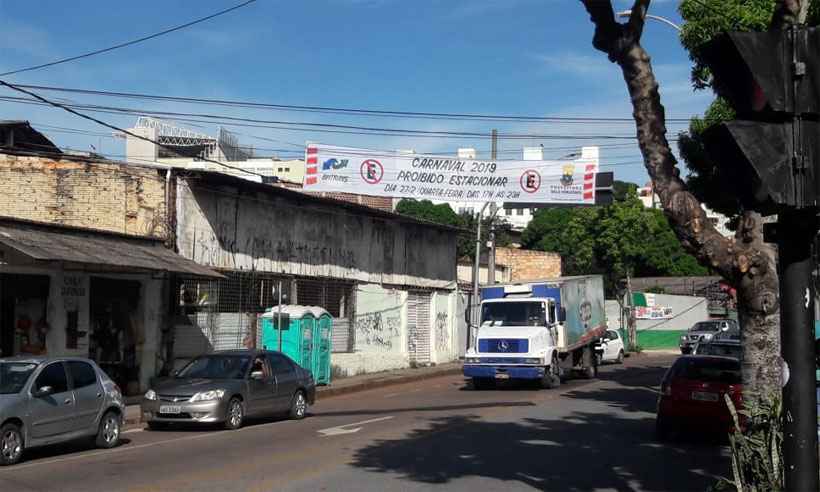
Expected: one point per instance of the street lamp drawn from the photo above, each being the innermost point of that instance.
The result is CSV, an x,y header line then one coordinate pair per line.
x,y
627,13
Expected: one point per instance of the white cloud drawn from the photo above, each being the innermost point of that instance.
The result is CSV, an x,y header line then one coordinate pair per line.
x,y
576,64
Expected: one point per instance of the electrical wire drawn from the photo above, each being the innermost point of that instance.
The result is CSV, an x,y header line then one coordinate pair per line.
x,y
116,128
128,43
347,111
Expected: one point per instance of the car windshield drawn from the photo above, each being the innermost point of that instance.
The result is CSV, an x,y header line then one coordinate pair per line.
x,y
514,313
709,369
706,326
13,376
216,367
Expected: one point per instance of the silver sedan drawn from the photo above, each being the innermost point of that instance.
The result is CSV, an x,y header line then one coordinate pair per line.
x,y
225,387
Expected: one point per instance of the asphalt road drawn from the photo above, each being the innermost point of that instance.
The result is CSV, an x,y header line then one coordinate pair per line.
x,y
587,435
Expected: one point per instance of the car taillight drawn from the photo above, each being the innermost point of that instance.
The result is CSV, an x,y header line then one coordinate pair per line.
x,y
666,389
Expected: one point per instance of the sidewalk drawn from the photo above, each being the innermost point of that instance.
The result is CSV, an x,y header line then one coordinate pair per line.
x,y
343,386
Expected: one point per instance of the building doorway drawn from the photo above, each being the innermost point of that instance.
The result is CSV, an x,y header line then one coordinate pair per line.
x,y
117,330
23,314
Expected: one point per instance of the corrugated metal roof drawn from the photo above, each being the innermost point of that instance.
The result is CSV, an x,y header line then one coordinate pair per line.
x,y
50,243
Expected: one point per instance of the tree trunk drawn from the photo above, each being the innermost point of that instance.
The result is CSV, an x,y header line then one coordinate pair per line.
x,y
744,261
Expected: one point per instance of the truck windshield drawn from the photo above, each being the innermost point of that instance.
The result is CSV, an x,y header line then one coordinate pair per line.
x,y
514,313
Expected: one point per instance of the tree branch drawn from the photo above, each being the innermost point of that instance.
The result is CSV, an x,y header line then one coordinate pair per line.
x,y
637,18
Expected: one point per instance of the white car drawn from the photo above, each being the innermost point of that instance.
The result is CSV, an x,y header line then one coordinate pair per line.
x,y
613,347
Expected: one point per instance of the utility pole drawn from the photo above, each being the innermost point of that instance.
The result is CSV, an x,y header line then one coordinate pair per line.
x,y
493,211
772,80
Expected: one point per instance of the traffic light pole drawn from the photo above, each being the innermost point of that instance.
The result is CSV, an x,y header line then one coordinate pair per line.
x,y
796,233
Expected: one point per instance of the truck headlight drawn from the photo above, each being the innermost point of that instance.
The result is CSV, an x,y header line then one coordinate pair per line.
x,y
533,360
472,360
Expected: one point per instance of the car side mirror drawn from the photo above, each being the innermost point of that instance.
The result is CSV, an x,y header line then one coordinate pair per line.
x,y
562,315
43,391
257,375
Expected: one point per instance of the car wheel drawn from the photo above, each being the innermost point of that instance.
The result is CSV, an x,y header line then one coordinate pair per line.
x,y
108,435
235,415
620,359
662,429
11,444
298,406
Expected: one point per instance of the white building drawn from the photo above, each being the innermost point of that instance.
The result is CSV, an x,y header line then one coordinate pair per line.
x,y
183,148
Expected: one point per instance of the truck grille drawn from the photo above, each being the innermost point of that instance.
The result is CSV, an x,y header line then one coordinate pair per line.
x,y
504,345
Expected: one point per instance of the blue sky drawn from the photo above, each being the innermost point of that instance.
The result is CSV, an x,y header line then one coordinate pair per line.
x,y
525,57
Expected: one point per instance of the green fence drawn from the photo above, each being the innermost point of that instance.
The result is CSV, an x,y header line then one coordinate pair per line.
x,y
659,339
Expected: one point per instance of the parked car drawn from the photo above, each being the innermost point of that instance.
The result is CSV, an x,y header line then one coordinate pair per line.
x,y
225,387
46,401
692,394
720,346
703,331
611,347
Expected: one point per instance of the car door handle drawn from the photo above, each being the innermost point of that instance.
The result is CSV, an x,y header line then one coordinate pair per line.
x,y
99,395
67,401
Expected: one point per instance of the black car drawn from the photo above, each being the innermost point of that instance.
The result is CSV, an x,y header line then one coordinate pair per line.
x,y
224,387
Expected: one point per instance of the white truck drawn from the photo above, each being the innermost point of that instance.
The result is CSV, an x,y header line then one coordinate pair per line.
x,y
539,330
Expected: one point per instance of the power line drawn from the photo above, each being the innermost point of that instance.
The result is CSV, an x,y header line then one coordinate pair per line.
x,y
319,127
128,43
116,128
348,111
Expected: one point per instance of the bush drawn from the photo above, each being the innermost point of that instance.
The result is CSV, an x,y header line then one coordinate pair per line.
x,y
757,447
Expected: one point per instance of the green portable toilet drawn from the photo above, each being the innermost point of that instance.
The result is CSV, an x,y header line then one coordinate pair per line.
x,y
297,333
306,337
321,345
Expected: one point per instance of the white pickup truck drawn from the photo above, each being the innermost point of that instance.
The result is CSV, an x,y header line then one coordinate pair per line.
x,y
537,331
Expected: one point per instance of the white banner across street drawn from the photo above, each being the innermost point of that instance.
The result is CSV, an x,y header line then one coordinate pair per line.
x,y
427,177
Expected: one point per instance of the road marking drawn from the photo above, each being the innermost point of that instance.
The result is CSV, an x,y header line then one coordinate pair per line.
x,y
391,395
129,447
129,431
343,429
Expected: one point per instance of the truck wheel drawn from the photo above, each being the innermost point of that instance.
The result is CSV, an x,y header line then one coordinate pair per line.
x,y
552,376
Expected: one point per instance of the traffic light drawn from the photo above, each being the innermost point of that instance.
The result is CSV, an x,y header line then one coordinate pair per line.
x,y
772,80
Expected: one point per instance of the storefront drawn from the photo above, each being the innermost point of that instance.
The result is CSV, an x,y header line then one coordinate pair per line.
x,y
67,291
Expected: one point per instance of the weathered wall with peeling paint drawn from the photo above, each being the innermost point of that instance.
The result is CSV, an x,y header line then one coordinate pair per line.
x,y
220,227
106,196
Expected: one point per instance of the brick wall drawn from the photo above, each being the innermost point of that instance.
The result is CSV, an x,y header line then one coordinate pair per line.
x,y
106,196
529,265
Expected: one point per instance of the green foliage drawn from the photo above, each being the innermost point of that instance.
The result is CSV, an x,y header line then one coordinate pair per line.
x,y
706,18
757,456
444,214
621,189
621,239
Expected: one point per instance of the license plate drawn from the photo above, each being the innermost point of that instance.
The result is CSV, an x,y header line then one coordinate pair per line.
x,y
703,396
502,376
170,409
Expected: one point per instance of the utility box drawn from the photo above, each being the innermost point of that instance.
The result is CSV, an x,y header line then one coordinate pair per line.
x,y
305,337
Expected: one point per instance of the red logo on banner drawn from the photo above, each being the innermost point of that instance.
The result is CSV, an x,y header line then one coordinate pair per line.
x,y
530,181
372,171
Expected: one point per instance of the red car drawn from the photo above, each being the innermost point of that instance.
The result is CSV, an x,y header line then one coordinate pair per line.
x,y
692,395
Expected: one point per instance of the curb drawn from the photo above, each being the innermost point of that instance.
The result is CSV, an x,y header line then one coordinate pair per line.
x,y
134,422
329,391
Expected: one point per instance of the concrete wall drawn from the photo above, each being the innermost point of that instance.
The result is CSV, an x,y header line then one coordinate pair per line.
x,y
380,332
221,227
529,265
465,274
111,197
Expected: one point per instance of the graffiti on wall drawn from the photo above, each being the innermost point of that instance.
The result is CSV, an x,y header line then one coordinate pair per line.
x,y
442,331
380,330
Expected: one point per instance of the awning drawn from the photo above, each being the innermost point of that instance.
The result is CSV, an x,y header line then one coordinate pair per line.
x,y
96,249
